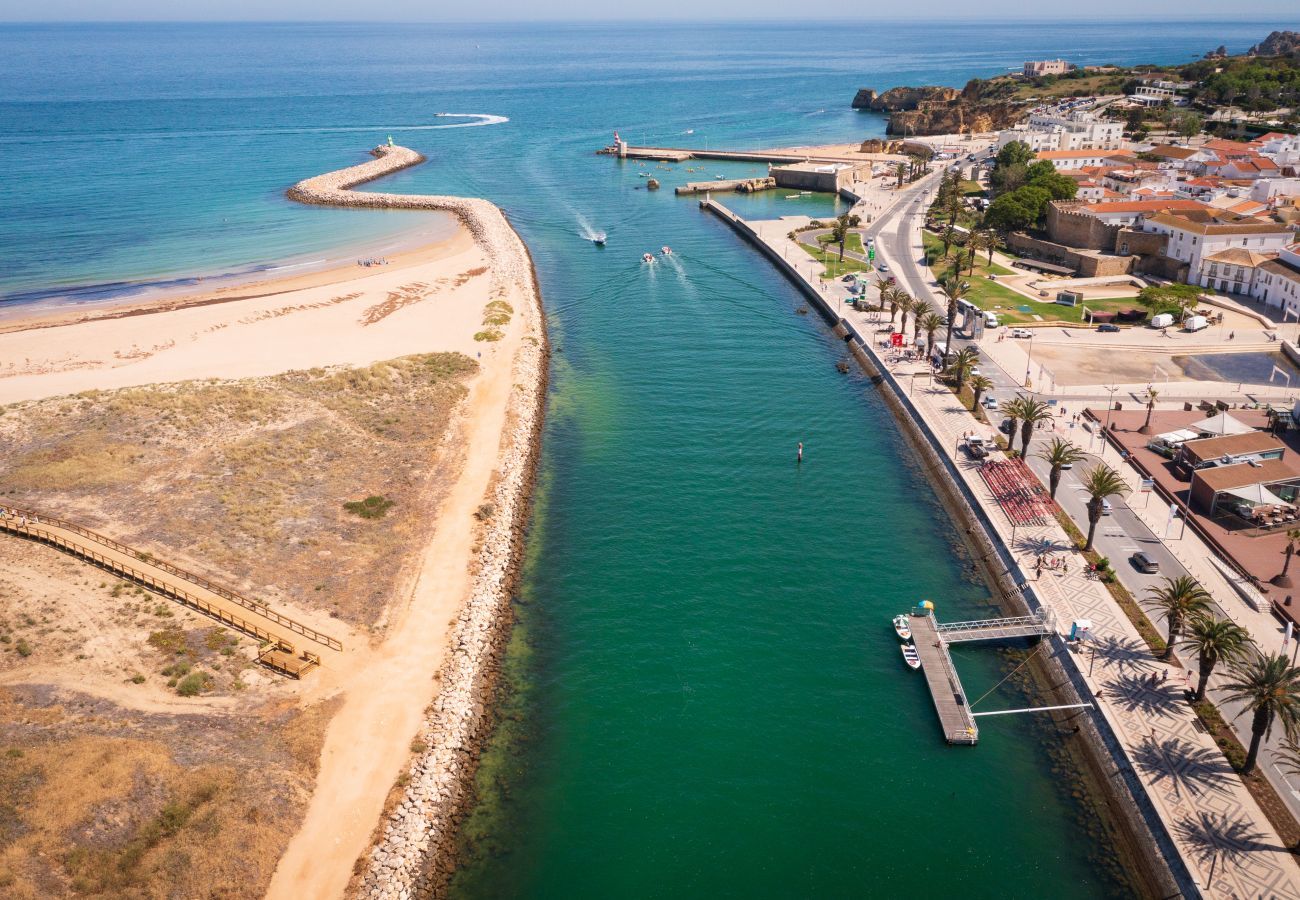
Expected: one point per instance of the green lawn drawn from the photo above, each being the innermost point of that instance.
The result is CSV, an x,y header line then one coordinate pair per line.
x,y
830,259
971,188
989,295
852,244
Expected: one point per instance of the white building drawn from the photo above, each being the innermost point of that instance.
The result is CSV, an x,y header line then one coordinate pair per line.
x,y
1154,95
1072,131
1196,237
1039,67
1265,189
1065,160
1277,283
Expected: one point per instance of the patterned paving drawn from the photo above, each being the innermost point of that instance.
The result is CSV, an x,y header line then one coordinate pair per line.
x,y
1221,833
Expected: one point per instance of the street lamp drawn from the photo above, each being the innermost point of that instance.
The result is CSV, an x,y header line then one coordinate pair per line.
x,y
1030,361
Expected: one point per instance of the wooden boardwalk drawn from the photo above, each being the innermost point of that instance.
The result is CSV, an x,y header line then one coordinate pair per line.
x,y
280,634
945,687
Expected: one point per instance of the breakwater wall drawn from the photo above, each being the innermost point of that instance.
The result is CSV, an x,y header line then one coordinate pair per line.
x,y
415,853
1125,796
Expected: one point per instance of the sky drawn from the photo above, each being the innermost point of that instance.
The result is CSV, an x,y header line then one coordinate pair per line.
x,y
607,10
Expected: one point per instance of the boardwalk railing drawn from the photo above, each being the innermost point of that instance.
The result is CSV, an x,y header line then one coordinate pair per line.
x,y
39,527
1042,623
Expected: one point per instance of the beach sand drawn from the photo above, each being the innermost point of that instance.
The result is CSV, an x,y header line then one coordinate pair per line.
x,y
429,300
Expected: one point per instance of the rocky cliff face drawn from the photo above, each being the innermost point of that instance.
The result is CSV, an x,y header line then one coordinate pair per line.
x,y
1279,43
940,110
902,98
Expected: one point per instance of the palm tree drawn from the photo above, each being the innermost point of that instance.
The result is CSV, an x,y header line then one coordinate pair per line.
x,y
954,289
1058,455
905,302
900,170
1215,641
1100,483
961,366
1270,688
1031,413
1011,409
1152,393
1180,599
1283,579
920,309
930,324
978,385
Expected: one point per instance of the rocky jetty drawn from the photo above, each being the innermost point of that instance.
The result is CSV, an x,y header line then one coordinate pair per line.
x,y
415,853
899,99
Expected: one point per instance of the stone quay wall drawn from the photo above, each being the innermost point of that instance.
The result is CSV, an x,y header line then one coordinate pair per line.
x,y
416,849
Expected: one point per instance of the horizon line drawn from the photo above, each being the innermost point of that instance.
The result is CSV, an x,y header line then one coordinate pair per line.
x,y
976,18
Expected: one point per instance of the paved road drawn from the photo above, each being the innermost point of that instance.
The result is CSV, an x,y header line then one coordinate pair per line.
x,y
1120,534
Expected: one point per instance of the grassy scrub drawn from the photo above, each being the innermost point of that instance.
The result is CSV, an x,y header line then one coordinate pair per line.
x,y
829,257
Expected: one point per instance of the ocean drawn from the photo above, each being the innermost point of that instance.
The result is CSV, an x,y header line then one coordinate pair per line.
x,y
705,694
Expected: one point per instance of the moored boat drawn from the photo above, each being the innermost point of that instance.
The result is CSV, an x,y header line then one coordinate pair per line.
x,y
903,629
910,656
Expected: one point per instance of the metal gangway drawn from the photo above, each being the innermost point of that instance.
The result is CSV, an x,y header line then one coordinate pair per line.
x,y
1039,625
931,639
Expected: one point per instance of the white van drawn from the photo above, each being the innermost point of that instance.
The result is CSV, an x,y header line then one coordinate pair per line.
x,y
1164,320
1195,323
991,321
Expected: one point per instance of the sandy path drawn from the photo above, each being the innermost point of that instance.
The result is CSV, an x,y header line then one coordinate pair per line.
x,y
368,741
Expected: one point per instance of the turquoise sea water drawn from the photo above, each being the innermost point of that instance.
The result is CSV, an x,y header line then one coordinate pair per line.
x,y
709,698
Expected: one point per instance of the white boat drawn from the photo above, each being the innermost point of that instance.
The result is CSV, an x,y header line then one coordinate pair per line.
x,y
910,656
598,238
666,250
647,257
903,629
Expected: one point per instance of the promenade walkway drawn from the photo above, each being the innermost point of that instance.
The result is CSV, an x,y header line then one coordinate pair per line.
x,y
283,637
1223,837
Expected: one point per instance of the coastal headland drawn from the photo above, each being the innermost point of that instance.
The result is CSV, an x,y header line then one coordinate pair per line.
x,y
353,447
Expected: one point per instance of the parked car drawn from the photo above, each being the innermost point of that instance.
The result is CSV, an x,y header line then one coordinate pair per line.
x,y
849,279
1108,327
1021,333
975,448
1005,427
1144,563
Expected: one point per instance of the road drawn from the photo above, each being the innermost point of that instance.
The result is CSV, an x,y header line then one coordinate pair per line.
x,y
1119,535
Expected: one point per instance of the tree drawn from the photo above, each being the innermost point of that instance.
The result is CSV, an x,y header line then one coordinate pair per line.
x,y
1008,213
900,172
1179,599
991,241
1012,153
905,303
1215,641
1100,483
920,310
1031,413
1152,394
978,385
949,233
930,324
1059,454
1170,298
1133,121
954,289
1282,579
1270,688
962,364
840,233
1189,125
1011,409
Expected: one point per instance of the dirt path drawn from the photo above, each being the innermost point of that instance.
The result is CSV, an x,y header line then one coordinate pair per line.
x,y
368,741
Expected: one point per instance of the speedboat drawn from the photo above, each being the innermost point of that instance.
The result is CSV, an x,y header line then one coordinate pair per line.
x,y
666,250
910,656
647,257
598,238
903,629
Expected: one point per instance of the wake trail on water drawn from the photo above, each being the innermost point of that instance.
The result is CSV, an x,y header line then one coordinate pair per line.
x,y
480,119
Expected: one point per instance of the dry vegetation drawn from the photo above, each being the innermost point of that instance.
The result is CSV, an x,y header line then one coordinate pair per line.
x,y
143,753
246,481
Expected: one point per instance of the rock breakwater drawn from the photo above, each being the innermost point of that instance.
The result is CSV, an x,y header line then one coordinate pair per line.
x,y
415,853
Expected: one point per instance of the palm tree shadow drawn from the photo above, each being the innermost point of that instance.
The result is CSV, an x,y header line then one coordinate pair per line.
x,y
1135,693
1188,769
1041,546
1211,834
1130,653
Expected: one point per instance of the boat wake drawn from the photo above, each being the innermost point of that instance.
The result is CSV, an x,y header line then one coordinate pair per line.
x,y
478,120
482,119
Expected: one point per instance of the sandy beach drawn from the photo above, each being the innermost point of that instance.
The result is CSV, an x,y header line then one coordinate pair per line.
x,y
471,294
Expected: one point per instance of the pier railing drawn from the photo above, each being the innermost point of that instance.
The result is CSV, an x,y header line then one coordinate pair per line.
x,y
59,533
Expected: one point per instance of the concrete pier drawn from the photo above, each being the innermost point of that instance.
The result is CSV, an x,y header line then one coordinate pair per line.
x,y
739,185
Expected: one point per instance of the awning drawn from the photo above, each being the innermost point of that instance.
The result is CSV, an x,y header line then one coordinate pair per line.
x,y
1222,423
1257,495
1178,437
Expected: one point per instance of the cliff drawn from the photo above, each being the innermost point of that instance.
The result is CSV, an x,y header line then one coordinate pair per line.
x,y
941,110
902,98
1279,43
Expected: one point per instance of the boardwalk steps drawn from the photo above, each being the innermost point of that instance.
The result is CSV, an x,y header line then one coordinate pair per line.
x,y
252,617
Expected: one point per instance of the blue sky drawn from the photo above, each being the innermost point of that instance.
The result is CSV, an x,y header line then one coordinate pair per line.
x,y
592,10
